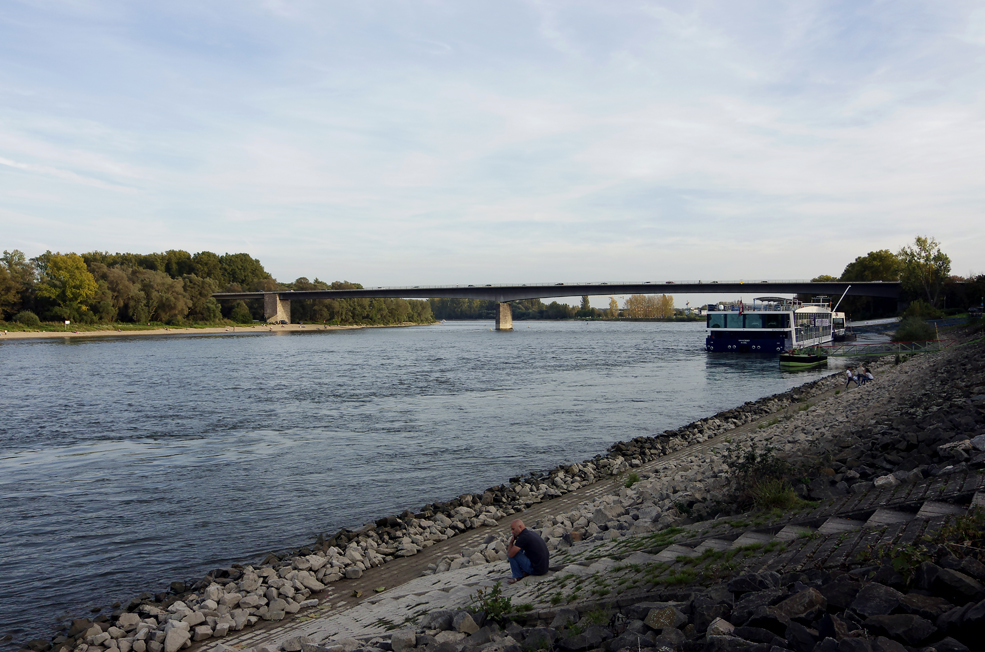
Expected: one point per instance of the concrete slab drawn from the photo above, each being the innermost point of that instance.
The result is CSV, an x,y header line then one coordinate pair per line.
x,y
934,508
791,532
672,552
751,538
835,525
713,544
887,517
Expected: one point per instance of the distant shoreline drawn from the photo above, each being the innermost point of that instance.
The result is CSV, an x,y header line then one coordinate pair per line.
x,y
256,329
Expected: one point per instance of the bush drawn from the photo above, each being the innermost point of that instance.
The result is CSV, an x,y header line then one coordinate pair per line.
x,y
922,310
912,329
241,314
27,318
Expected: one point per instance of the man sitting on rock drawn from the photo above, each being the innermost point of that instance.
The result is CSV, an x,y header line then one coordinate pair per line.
x,y
527,551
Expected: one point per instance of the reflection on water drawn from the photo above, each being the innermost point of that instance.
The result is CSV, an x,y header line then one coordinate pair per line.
x,y
128,463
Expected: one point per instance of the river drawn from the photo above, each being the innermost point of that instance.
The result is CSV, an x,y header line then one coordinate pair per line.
x,y
127,463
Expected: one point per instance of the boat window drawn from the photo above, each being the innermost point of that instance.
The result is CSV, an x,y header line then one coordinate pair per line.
x,y
776,321
716,321
754,321
734,320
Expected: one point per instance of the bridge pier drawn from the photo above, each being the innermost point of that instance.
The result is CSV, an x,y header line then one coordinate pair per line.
x,y
504,317
276,309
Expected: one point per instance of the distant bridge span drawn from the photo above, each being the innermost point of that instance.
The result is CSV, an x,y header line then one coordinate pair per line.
x,y
277,305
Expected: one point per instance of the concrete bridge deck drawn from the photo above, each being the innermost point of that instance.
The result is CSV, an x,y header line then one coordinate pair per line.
x,y
277,303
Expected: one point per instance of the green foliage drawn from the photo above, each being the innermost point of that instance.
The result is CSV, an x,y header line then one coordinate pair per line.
x,y
919,309
240,313
759,478
632,479
66,282
774,493
914,330
492,602
27,318
964,536
924,268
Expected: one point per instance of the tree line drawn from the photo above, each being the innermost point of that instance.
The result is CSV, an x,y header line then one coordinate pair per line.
x,y
173,287
924,272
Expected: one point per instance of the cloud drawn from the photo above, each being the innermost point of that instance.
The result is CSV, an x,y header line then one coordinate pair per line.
x,y
580,138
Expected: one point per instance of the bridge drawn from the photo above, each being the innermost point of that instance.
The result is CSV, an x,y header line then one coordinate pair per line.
x,y
277,305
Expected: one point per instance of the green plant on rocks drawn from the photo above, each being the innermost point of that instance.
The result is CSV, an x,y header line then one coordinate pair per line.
x,y
632,479
492,602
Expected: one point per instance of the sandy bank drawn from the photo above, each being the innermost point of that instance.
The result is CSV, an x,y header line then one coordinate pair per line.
x,y
257,329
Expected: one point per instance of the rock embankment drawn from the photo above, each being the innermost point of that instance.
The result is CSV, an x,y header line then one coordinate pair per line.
x,y
234,598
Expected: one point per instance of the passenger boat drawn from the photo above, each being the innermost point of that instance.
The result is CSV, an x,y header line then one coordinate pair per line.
x,y
768,325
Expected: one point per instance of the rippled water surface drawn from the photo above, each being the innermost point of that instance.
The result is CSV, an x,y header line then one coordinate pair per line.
x,y
128,463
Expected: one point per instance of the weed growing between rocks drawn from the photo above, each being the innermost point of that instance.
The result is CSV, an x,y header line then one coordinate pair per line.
x,y
631,479
492,602
760,479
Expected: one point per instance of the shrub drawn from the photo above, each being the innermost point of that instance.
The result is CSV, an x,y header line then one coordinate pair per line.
x,y
912,329
240,313
922,310
632,479
27,318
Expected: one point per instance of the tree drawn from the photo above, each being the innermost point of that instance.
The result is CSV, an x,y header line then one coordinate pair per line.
x,y
242,269
665,306
205,264
68,283
20,280
613,311
823,278
9,296
201,305
240,313
882,265
924,268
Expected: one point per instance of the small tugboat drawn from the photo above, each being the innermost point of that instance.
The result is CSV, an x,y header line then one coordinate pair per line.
x,y
803,358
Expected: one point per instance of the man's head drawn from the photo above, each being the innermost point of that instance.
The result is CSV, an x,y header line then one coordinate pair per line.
x,y
516,527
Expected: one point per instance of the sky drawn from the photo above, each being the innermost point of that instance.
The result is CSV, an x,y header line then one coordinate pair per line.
x,y
457,142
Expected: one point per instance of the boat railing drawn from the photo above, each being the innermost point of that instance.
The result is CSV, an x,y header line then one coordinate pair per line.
x,y
764,306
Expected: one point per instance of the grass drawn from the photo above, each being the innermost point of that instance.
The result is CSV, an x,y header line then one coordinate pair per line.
x,y
631,479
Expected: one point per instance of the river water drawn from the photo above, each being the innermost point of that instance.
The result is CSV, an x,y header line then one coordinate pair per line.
x,y
127,463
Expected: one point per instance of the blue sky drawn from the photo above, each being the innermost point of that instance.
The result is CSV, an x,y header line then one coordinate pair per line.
x,y
436,142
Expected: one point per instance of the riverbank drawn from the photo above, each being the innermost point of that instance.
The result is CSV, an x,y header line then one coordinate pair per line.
x,y
675,479
243,329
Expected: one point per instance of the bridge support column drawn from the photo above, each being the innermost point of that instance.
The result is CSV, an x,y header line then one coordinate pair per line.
x,y
275,309
504,317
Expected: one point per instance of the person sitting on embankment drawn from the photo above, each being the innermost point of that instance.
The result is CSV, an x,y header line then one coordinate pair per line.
x,y
527,552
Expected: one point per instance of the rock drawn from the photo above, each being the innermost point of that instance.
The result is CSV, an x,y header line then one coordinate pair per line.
x,y
296,643
439,619
403,640
463,622
659,619
353,573
754,582
886,481
956,587
720,627
807,603
201,633
565,616
907,628
800,638
876,600
175,639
